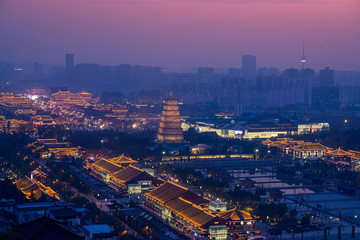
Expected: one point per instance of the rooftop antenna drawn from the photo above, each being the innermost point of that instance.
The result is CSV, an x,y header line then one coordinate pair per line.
x,y
69,51
303,58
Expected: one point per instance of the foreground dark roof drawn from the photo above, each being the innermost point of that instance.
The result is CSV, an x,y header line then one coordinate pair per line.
x,y
45,228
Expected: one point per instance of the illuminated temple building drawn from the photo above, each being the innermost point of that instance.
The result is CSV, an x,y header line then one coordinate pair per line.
x,y
307,150
190,214
298,149
51,148
342,158
11,125
69,98
9,100
120,174
34,190
170,130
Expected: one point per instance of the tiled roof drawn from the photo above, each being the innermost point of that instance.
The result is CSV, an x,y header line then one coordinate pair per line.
x,y
179,204
107,166
24,182
121,160
194,198
144,176
235,215
167,192
196,215
339,152
309,146
170,191
127,173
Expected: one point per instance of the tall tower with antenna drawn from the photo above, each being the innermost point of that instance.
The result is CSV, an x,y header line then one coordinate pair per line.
x,y
303,58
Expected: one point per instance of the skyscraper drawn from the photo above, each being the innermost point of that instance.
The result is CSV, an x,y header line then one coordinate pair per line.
x,y
69,67
248,69
326,78
206,75
170,130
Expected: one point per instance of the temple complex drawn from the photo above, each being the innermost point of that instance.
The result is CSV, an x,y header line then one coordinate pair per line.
x,y
170,130
34,190
189,213
71,99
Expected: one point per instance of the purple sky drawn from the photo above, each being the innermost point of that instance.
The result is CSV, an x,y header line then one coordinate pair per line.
x,y
182,33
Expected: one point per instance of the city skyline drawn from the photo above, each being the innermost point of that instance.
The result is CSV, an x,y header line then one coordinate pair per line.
x,y
219,33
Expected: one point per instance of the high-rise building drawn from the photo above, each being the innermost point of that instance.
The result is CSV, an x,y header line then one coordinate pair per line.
x,y
206,75
38,69
234,72
326,78
325,98
170,130
248,69
69,67
86,77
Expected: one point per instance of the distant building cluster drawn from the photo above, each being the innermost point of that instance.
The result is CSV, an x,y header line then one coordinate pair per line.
x,y
234,90
288,147
255,129
51,149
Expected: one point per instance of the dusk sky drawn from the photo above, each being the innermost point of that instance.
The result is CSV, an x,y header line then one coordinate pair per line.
x,y
182,33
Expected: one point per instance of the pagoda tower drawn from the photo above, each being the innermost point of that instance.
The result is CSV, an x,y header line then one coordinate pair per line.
x,y
170,130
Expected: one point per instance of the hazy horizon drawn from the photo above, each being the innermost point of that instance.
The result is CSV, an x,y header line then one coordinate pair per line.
x,y
180,34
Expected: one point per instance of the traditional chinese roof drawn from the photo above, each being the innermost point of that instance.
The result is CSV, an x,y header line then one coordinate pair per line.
x,y
196,215
309,146
235,215
107,166
178,204
170,191
355,154
339,153
50,140
24,182
34,189
167,192
128,173
194,198
65,150
202,218
267,142
144,176
122,160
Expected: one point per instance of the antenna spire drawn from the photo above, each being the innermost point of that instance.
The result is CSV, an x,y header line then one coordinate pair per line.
x,y
303,58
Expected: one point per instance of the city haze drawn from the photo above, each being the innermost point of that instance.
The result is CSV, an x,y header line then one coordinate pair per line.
x,y
181,34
